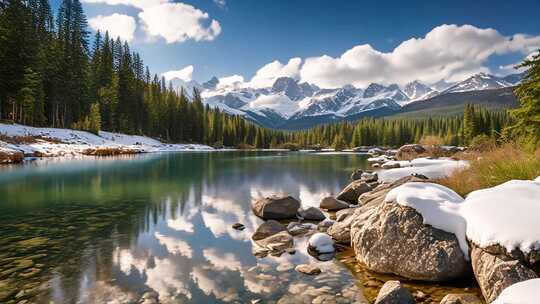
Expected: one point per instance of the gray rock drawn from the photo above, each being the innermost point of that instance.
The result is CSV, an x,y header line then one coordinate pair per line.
x,y
324,225
369,177
460,298
351,193
276,207
331,204
356,175
393,293
312,214
238,226
495,270
278,242
267,229
308,269
394,240
407,152
296,228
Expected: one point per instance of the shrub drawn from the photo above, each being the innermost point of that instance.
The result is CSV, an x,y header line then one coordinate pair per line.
x,y
245,147
491,168
482,143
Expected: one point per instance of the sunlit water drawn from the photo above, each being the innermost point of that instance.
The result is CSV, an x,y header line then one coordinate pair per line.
x,y
112,229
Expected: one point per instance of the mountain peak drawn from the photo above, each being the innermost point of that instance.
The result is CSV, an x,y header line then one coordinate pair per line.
x,y
211,84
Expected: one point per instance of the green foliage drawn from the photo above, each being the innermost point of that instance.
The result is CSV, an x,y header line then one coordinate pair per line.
x,y
482,143
527,116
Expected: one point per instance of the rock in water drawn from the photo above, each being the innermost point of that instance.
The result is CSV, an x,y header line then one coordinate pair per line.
x,y
276,207
278,242
312,214
395,240
321,243
296,228
351,193
308,269
331,204
238,226
393,293
267,229
460,298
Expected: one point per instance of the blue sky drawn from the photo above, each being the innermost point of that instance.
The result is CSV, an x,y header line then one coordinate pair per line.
x,y
253,33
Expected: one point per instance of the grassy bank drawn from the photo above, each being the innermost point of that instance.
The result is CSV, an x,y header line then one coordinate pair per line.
x,y
494,167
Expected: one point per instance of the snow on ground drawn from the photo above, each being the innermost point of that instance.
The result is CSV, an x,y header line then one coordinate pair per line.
x,y
73,142
526,292
438,205
432,168
506,214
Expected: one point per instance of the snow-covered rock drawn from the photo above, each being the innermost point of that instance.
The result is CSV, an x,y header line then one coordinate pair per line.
x,y
416,233
321,243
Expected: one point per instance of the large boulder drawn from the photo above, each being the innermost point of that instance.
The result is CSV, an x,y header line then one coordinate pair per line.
x,y
395,240
408,152
351,193
495,269
341,231
276,207
331,204
460,298
393,293
267,229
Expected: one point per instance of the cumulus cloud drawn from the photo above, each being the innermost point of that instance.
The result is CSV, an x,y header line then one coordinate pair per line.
x,y
185,74
118,25
447,52
231,81
178,22
172,21
266,75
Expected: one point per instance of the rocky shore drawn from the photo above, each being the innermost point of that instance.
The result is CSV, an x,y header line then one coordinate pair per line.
x,y
412,228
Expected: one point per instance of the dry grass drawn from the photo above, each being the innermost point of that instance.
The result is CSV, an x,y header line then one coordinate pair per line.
x,y
109,151
494,167
27,139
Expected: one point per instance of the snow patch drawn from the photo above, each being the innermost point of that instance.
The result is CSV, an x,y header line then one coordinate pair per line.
x,y
525,292
432,168
506,215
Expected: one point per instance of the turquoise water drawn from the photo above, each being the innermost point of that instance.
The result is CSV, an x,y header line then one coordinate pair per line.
x,y
112,229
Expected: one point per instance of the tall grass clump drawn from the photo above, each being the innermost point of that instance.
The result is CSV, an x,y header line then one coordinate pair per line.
x,y
494,167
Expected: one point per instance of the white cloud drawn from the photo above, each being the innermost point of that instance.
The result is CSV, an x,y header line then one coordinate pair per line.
x,y
135,3
118,25
231,81
178,22
447,52
172,21
185,74
266,75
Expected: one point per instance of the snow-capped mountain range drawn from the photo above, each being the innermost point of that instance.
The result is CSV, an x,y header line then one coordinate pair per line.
x,y
289,101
